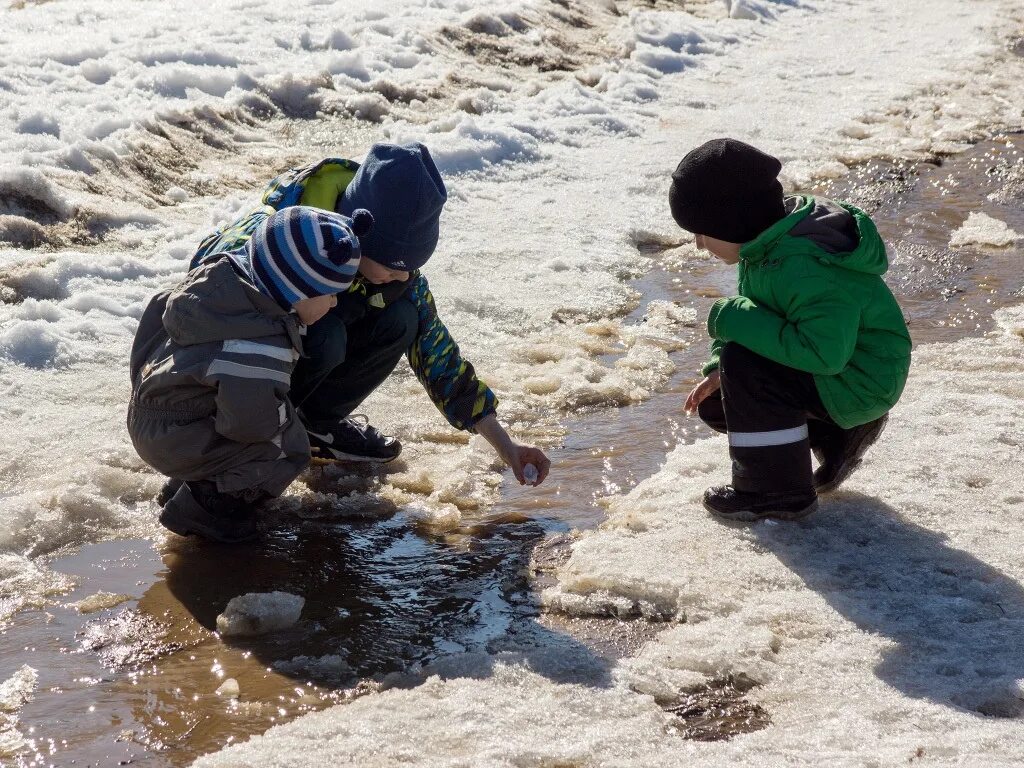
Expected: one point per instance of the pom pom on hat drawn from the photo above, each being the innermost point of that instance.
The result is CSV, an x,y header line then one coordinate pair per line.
x,y
362,222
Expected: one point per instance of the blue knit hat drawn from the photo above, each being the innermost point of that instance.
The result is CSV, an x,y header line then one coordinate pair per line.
x,y
403,188
301,252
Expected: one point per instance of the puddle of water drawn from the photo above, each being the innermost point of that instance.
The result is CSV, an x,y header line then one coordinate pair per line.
x,y
717,711
946,293
383,596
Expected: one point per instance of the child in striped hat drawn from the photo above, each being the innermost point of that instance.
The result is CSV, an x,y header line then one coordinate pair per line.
x,y
211,367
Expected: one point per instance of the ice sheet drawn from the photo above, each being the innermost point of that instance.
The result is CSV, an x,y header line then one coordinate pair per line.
x,y
982,229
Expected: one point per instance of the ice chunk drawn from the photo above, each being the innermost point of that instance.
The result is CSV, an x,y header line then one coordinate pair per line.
x,y
177,194
229,688
259,613
17,690
530,474
14,693
982,229
99,602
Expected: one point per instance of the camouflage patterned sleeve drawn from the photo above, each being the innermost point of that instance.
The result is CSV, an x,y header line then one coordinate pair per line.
x,y
231,237
434,356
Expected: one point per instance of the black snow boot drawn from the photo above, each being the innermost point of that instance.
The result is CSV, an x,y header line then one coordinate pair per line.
x,y
198,508
352,439
747,507
843,452
167,492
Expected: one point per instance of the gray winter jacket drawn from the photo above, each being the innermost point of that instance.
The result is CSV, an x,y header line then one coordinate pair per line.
x,y
211,367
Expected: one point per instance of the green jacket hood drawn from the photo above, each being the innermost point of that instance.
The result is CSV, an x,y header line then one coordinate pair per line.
x,y
839,234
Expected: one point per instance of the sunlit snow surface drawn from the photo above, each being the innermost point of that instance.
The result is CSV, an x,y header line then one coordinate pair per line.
x,y
880,627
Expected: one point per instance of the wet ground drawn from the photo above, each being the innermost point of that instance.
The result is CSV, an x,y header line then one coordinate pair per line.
x,y
136,681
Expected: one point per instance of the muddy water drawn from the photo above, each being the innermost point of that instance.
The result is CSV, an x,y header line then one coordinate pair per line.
x,y
135,683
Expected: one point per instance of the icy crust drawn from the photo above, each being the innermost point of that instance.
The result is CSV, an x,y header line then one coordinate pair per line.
x,y
514,718
109,110
26,584
982,229
886,627
14,693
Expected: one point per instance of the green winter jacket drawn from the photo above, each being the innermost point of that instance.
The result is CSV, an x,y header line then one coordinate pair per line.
x,y
812,298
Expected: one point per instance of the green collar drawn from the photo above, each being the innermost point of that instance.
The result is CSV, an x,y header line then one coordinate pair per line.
x,y
755,250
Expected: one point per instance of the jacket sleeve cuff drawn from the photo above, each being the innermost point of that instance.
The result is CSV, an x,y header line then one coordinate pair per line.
x,y
713,317
709,366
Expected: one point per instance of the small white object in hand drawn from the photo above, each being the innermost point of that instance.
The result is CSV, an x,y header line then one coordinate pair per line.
x,y
530,474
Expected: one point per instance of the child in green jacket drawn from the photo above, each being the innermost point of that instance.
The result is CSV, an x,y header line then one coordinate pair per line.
x,y
812,353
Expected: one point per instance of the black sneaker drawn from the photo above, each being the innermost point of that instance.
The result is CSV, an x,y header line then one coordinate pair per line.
x,y
198,508
352,439
841,455
167,492
730,504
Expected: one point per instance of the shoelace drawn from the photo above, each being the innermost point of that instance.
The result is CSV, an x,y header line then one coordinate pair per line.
x,y
360,421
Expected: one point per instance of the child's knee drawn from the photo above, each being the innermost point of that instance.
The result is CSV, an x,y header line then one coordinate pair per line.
x,y
712,413
399,323
733,355
326,341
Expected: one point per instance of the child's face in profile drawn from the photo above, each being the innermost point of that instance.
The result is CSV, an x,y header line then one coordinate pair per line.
x,y
311,310
377,273
722,250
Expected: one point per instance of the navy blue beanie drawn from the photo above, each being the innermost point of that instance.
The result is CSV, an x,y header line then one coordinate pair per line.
x,y
403,188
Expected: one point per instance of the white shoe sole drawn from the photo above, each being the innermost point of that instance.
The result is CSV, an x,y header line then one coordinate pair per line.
x,y
319,458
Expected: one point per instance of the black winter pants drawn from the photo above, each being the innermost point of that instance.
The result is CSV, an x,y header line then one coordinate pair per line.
x,y
773,416
346,362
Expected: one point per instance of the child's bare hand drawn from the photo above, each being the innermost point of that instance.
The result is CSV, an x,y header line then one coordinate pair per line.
x,y
708,386
521,456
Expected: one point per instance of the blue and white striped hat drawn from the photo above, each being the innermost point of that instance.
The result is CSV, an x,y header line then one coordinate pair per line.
x,y
301,252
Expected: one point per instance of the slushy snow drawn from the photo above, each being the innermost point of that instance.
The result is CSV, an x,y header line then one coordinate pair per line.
x,y
260,613
557,170
888,625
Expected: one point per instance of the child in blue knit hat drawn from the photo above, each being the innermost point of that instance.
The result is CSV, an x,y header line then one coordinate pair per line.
x,y
212,364
388,312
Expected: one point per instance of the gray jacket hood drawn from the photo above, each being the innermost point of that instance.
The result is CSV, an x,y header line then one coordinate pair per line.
x,y
218,303
844,235
829,226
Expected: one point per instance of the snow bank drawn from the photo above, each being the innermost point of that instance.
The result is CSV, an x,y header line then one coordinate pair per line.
x,y
885,627
982,229
260,613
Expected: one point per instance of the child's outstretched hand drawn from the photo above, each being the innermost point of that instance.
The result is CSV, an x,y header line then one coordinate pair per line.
x,y
523,456
516,455
708,386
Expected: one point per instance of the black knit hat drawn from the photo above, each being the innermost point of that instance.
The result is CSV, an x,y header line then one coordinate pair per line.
x,y
728,190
